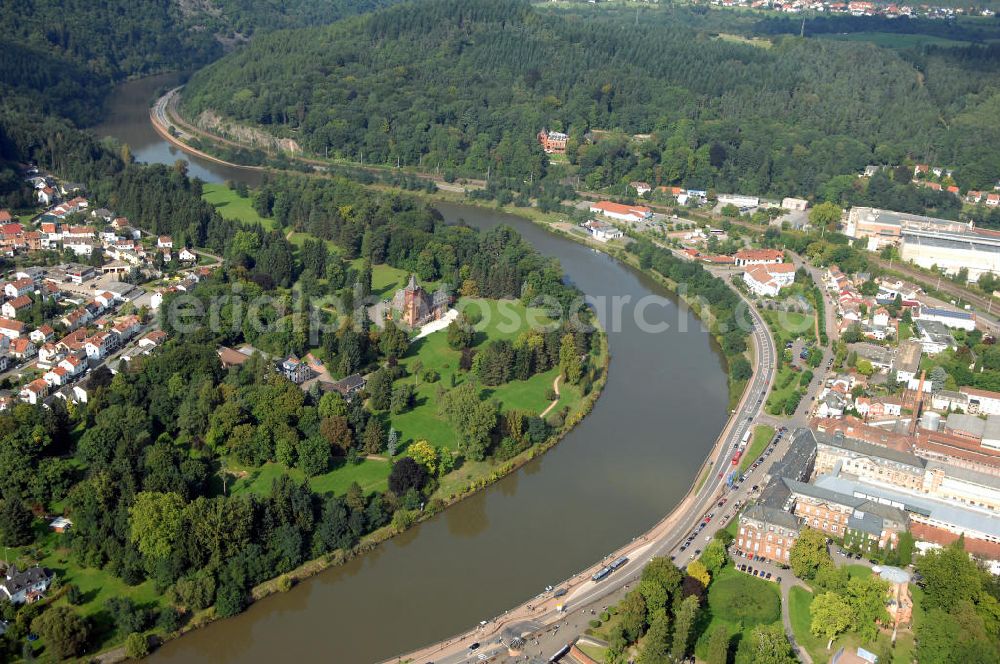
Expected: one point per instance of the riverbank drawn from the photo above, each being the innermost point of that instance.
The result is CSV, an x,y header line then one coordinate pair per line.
x,y
165,111
525,491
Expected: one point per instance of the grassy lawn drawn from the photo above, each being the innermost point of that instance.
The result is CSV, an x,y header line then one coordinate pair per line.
x,y
592,651
500,320
97,586
786,327
762,435
740,602
799,601
369,474
233,206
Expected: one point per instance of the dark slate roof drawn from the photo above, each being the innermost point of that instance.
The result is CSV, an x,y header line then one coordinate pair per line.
x,y
797,463
18,581
772,516
862,448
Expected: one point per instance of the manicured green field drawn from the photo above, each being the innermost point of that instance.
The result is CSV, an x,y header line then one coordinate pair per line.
x,y
762,435
500,320
233,206
799,601
740,602
370,475
786,326
97,586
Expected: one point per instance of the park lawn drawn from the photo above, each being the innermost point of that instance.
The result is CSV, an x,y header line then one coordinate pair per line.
x,y
740,602
371,476
96,585
786,326
858,571
386,280
593,651
501,320
799,603
762,435
233,206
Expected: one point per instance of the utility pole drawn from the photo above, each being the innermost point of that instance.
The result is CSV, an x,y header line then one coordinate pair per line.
x,y
802,29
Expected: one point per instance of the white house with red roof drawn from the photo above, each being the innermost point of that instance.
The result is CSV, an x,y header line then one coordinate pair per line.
x,y
46,195
34,392
768,280
126,328
56,377
11,308
49,355
42,334
12,329
22,348
73,365
98,346
19,287
164,242
632,213
187,256
758,257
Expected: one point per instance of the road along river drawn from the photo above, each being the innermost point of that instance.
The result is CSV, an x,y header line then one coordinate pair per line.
x,y
623,467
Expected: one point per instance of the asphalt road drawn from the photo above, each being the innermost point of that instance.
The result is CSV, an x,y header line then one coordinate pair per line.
x,y
549,627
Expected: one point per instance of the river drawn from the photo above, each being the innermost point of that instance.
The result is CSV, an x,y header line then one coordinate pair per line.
x,y
617,473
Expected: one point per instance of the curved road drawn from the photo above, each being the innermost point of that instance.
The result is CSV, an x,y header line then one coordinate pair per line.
x,y
541,617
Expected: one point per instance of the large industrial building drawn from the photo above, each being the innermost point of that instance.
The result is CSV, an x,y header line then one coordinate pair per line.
x,y
927,241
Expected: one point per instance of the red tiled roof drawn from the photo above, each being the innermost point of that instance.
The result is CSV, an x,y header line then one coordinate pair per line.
x,y
618,208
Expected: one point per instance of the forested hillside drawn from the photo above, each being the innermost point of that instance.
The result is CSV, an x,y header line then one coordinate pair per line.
x,y
60,56
466,84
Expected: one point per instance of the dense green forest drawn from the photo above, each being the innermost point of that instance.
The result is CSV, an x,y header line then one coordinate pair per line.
x,y
467,84
140,466
60,57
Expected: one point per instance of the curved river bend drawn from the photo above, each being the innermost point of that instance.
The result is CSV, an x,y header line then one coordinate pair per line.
x,y
621,469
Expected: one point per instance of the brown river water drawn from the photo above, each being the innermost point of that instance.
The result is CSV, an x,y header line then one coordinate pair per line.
x,y
617,473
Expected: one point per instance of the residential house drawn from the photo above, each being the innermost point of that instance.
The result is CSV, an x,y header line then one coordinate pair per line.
x,y
553,142
346,387
641,188
164,242
934,337
98,346
42,335
19,287
55,377
413,306
11,308
745,257
22,348
34,392
48,355
60,524
12,329
295,370
907,361
187,256
25,587
603,232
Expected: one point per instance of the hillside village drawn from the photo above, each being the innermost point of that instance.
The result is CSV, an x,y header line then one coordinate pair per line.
x,y
60,318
